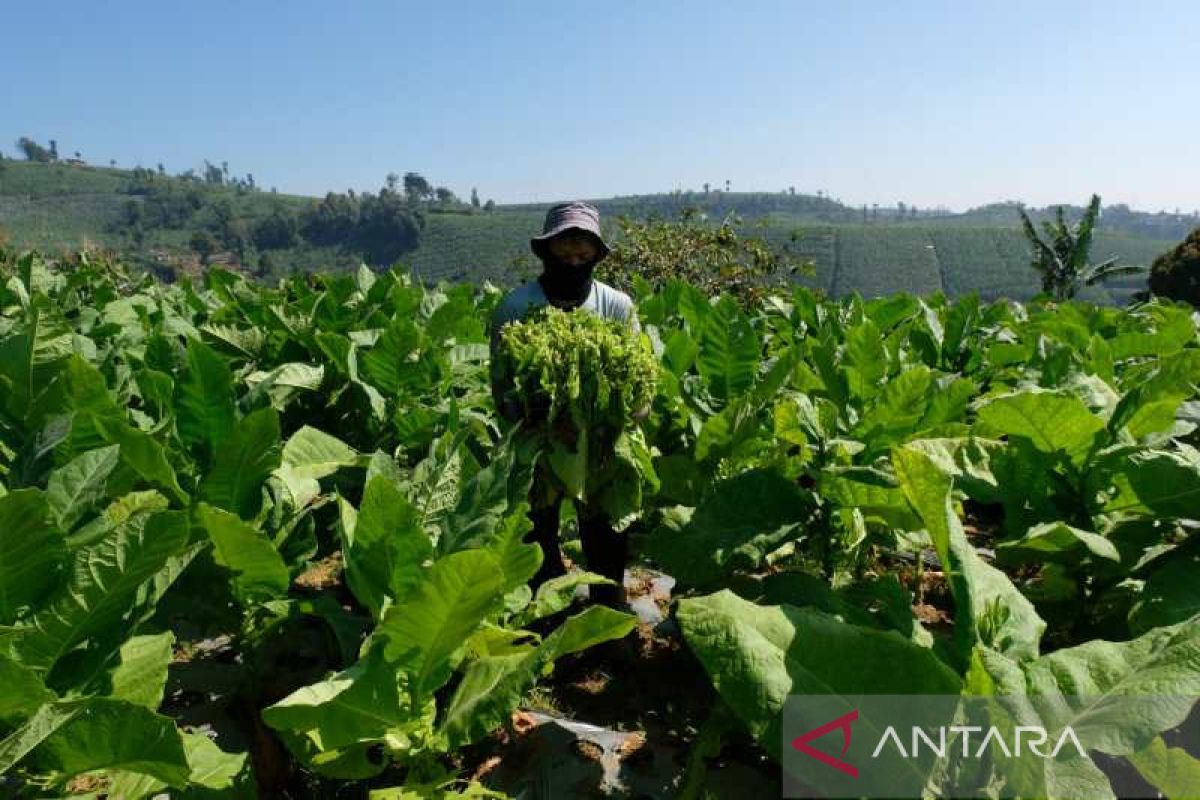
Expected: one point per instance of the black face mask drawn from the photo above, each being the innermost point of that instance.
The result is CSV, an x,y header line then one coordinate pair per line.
x,y
564,284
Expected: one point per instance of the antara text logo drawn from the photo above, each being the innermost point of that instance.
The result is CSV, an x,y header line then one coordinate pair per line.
x,y
968,746
1024,738
1036,737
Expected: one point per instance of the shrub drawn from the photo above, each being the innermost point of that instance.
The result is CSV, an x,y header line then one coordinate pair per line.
x,y
1176,273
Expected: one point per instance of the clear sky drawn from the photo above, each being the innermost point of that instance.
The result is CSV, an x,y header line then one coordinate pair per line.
x,y
934,103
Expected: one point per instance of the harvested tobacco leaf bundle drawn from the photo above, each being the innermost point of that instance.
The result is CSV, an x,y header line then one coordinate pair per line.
x,y
574,367
578,380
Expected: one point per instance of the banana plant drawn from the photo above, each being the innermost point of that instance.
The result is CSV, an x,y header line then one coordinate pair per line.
x,y
1062,257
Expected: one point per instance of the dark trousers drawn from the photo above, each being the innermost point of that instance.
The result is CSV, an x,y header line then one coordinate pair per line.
x,y
605,549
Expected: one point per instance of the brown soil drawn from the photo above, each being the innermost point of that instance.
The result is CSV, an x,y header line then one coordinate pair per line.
x,y
321,575
88,784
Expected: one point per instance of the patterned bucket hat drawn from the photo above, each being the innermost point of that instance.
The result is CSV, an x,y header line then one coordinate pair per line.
x,y
565,216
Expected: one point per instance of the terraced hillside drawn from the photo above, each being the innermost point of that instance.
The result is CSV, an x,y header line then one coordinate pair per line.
x,y
60,207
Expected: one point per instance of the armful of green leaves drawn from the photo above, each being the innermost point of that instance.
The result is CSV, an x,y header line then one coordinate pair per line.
x,y
596,373
580,383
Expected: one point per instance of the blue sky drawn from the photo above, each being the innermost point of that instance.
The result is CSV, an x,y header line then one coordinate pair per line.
x,y
932,103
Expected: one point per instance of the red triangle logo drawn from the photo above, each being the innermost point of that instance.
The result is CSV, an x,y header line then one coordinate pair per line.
x,y
842,722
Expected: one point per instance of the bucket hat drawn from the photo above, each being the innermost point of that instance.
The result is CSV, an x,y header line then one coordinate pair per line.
x,y
565,216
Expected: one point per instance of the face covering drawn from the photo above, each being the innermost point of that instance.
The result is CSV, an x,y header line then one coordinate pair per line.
x,y
564,284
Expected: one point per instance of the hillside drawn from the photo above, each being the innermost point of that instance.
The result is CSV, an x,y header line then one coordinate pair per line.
x,y
59,207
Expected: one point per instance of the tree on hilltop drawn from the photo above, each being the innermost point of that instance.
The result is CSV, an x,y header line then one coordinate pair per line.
x,y
34,151
416,188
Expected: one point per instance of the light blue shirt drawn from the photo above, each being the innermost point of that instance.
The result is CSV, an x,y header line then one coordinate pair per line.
x,y
603,300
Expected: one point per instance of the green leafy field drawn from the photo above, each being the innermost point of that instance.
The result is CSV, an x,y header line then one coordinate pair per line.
x,y
267,541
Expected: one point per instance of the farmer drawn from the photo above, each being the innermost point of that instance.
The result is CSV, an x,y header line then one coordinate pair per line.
x,y
570,247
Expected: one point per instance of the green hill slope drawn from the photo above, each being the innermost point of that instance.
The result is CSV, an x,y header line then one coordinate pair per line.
x,y
61,207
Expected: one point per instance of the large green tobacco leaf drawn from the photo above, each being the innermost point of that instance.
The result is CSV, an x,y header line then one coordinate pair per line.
x,y
865,359
557,594
1157,483
27,356
1052,422
1171,770
309,455
679,351
1085,687
494,685
141,674
423,632
244,460
246,342
392,365
873,492
988,607
758,655
75,488
209,767
1172,334
744,519
571,466
361,704
96,421
1160,664
729,349
204,407
1057,541
897,410
1172,592
1027,484
433,487
23,691
103,733
102,590
32,552
35,730
386,548
628,479
735,429
968,460
487,498
258,570
443,790
281,384
312,453
518,560
728,431
128,509
1150,405
141,452
874,603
